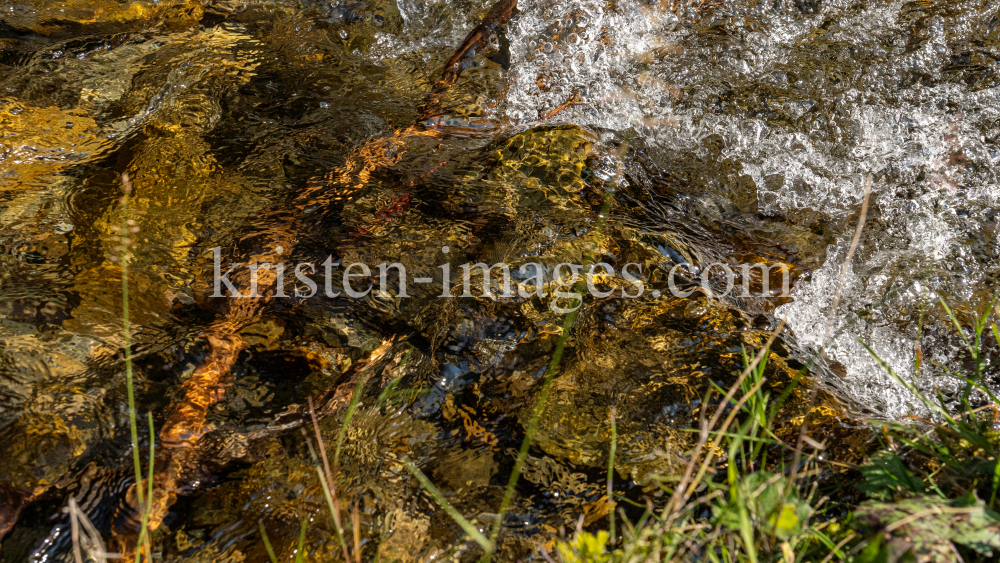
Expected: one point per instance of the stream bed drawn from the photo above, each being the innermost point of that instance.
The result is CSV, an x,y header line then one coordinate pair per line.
x,y
676,136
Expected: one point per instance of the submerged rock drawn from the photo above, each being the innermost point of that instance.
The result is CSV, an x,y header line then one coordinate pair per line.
x,y
264,131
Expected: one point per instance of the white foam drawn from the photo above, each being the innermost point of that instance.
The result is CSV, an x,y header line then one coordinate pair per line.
x,y
844,92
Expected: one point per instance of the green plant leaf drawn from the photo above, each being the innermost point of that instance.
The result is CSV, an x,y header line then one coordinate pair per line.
x,y
929,522
886,476
787,521
585,548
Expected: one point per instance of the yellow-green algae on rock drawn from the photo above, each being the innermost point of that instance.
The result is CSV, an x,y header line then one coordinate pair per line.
x,y
48,17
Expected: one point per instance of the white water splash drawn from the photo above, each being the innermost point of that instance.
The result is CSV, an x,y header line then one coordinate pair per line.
x,y
806,105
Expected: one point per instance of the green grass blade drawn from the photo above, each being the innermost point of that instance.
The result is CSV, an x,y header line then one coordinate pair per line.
x,y
908,386
550,371
326,491
466,526
147,510
958,326
746,531
127,335
347,419
300,552
267,543
611,478
996,483
529,434
636,536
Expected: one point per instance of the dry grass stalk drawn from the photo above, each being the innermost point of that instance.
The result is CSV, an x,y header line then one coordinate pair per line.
x,y
722,430
682,494
331,484
74,525
838,293
90,540
837,547
356,520
611,477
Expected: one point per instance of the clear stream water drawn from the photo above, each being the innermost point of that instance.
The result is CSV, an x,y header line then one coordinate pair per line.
x,y
727,132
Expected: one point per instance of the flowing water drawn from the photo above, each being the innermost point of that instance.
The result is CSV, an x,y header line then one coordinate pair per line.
x,y
732,132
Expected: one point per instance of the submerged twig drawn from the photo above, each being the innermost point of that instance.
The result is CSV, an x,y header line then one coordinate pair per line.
x,y
573,100
463,58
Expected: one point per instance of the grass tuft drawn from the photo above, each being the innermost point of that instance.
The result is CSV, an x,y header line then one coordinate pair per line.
x,y
145,508
920,491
